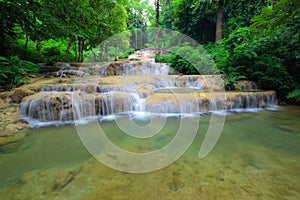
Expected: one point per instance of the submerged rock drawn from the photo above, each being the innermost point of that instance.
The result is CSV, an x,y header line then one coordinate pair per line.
x,y
62,179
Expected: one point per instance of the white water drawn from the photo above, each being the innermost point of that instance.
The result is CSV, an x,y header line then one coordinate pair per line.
x,y
69,106
131,68
169,95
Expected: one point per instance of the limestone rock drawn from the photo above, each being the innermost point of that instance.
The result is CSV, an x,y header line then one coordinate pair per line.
x,y
145,90
247,85
180,81
18,94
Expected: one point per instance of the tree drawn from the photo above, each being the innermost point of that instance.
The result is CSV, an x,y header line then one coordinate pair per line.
x,y
139,13
191,17
67,19
84,24
118,19
274,2
219,20
158,4
23,14
268,50
157,7
245,11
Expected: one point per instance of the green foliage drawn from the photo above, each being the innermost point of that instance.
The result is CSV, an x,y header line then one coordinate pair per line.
x,y
139,14
53,51
17,47
193,18
189,60
197,18
238,14
222,57
177,63
22,14
126,54
48,51
294,95
257,59
219,54
267,51
14,71
84,23
231,76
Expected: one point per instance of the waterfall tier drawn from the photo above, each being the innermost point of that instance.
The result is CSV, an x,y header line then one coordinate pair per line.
x,y
135,85
140,68
66,106
114,95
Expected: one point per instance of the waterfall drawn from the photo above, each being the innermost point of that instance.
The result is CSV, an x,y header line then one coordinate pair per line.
x,y
131,68
140,105
144,87
48,106
67,103
252,100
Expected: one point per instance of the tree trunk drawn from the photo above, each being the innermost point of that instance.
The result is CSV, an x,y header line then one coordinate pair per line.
x,y
141,41
80,49
156,24
106,52
219,20
274,2
101,59
94,55
117,53
26,34
75,48
136,38
27,40
68,49
38,45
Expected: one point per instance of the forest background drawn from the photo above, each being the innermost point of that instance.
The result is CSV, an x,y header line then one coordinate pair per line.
x,y
256,40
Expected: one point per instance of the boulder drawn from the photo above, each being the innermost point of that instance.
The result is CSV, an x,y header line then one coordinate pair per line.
x,y
19,93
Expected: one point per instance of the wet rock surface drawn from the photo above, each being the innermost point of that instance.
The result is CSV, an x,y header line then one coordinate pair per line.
x,y
10,123
79,90
56,100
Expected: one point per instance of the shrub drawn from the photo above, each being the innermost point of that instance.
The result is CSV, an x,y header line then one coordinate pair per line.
x,y
13,71
294,96
263,58
189,60
54,51
126,54
30,53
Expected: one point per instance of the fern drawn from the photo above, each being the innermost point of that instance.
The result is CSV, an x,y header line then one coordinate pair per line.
x,y
294,95
13,71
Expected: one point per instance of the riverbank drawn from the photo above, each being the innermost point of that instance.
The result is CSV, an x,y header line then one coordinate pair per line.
x,y
11,126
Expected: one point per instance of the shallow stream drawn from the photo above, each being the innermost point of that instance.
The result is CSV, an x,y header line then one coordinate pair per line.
x,y
256,157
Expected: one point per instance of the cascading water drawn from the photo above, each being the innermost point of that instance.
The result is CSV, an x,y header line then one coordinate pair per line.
x,y
154,93
48,107
140,105
131,68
